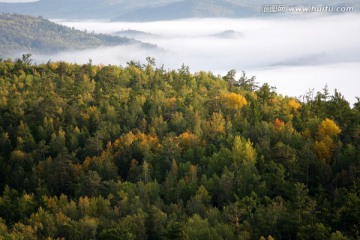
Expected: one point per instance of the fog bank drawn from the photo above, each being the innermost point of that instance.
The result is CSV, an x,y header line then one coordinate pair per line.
x,y
291,54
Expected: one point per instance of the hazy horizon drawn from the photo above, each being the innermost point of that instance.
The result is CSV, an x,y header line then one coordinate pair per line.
x,y
292,54
17,1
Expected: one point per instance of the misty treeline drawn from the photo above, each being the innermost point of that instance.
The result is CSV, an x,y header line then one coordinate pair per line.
x,y
39,35
139,152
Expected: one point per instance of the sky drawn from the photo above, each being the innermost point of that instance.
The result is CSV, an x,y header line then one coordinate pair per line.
x,y
293,54
17,1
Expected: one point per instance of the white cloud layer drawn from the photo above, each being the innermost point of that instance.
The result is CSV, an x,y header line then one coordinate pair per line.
x,y
293,54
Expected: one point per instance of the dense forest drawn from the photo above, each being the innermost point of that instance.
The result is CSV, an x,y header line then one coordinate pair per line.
x,y
141,152
20,33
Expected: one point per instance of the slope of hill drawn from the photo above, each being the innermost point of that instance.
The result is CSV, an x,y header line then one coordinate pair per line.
x,y
140,10
19,33
138,152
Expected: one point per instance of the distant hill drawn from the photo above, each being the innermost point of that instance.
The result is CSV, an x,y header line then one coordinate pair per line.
x,y
141,10
19,33
134,34
228,34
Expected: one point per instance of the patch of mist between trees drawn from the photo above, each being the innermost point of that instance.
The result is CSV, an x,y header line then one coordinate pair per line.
x,y
323,49
289,80
259,42
114,55
299,80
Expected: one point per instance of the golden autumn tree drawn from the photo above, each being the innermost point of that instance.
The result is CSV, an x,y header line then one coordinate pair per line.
x,y
234,101
327,130
188,139
294,105
324,148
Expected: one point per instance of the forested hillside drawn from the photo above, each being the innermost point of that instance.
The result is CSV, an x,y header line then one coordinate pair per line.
x,y
19,33
139,152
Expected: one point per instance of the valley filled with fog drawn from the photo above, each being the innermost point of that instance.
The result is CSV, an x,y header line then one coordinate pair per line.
x,y
293,54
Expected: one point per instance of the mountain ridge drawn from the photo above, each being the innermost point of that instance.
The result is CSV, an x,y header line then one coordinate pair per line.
x,y
139,10
21,33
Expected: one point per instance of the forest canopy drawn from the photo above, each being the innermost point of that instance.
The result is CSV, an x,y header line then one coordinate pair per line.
x,y
140,152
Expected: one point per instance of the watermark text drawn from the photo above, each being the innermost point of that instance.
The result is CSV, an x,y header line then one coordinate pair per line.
x,y
279,8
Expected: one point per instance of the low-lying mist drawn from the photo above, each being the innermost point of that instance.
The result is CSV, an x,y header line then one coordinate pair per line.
x,y
292,54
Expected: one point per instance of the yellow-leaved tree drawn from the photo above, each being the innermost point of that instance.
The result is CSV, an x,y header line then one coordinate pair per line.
x,y
328,128
294,105
324,148
234,101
